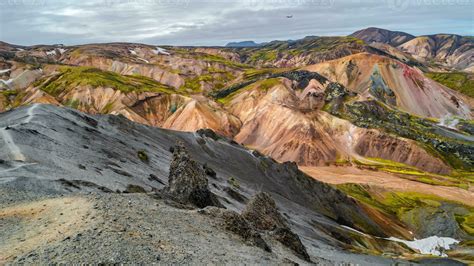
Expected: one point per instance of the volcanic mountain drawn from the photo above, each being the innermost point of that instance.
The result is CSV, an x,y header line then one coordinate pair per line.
x,y
200,131
372,34
446,49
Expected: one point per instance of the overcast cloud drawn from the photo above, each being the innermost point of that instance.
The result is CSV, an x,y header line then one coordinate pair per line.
x,y
216,22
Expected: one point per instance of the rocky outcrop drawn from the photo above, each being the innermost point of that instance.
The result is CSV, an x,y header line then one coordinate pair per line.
x,y
262,213
237,224
187,181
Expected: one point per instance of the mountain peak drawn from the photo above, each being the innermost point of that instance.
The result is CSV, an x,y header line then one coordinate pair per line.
x,y
373,34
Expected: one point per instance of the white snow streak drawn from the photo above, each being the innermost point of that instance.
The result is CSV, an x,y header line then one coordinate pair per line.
x,y
433,245
161,51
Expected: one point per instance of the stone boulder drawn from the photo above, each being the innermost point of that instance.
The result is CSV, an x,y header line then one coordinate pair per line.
x,y
234,222
187,181
262,213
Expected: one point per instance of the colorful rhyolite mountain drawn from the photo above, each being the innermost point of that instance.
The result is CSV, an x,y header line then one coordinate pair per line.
x,y
359,109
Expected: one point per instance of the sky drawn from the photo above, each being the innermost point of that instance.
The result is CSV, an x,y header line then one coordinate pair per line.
x,y
217,22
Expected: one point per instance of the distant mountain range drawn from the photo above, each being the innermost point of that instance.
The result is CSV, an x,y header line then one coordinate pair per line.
x,y
242,44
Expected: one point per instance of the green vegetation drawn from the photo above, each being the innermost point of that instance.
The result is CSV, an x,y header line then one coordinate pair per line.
x,y
143,156
412,173
466,223
279,49
73,103
263,85
462,82
107,108
193,84
221,60
71,77
263,72
411,207
233,182
264,55
9,93
215,78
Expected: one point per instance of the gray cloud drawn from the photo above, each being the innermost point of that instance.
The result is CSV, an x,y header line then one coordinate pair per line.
x,y
216,22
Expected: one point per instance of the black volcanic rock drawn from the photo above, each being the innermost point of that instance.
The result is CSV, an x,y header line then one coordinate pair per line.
x,y
187,180
236,223
262,213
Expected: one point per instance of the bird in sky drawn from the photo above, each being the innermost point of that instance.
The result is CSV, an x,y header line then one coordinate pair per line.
x,y
290,16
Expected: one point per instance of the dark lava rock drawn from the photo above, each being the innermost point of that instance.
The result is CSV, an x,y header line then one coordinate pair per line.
x,y
134,189
262,213
187,180
291,240
234,222
235,195
209,171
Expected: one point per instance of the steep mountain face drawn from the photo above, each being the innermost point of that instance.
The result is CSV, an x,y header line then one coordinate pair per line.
x,y
302,132
393,38
446,49
395,84
188,70
155,105
124,156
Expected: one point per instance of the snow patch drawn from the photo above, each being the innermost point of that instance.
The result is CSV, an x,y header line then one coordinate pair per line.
x,y
354,230
52,52
433,245
449,122
62,51
133,52
4,71
160,50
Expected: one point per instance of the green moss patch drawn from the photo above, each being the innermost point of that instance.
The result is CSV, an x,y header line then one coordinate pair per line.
x,y
263,85
143,156
411,207
69,78
459,81
455,179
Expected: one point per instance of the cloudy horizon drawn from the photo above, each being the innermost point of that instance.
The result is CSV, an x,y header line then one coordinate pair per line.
x,y
217,22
